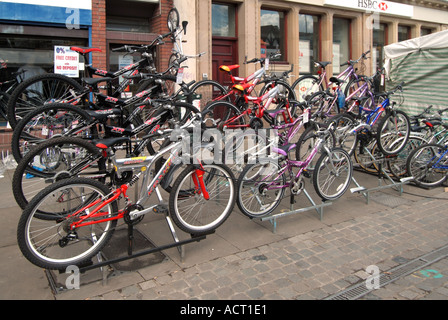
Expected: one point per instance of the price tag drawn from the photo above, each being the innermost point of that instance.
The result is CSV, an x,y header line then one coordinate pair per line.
x,y
44,130
306,116
180,76
266,64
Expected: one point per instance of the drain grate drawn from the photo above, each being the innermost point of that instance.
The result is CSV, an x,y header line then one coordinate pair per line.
x,y
388,199
360,289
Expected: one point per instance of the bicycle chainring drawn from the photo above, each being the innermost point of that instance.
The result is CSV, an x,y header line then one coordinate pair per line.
x,y
127,218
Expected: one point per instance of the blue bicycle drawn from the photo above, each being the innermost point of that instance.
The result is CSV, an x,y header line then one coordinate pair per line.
x,y
389,126
428,165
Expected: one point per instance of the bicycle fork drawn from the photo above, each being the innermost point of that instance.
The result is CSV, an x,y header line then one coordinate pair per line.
x,y
198,180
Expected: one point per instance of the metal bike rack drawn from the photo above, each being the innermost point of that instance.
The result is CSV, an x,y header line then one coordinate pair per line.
x,y
102,262
382,178
318,207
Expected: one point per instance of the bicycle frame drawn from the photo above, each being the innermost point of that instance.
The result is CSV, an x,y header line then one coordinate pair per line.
x,y
141,164
302,165
269,96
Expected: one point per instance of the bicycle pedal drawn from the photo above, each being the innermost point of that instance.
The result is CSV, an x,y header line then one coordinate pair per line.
x,y
160,209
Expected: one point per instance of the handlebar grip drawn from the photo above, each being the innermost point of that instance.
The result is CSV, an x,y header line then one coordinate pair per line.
x,y
120,48
166,35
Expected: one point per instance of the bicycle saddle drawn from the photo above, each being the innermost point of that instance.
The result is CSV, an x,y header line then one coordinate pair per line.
x,y
336,80
110,142
323,64
84,50
102,115
283,150
228,68
93,82
242,87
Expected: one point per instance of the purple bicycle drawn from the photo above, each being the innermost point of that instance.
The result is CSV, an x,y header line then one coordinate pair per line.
x,y
261,186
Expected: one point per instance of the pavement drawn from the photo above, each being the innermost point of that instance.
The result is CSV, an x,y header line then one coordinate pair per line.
x,y
392,247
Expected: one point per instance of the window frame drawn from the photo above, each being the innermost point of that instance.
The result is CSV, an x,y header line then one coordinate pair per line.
x,y
284,57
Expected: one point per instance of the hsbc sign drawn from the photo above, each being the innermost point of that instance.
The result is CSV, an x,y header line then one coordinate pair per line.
x,y
382,7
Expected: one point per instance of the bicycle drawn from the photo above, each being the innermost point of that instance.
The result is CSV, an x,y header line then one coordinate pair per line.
x,y
390,127
307,85
39,90
81,214
225,115
33,172
7,87
208,91
65,119
261,186
428,165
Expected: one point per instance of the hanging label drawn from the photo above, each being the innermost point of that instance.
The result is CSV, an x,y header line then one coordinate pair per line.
x,y
266,64
180,76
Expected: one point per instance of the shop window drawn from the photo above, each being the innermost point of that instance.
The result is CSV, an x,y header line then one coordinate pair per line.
x,y
379,42
404,33
127,24
341,43
223,20
32,54
273,32
309,42
425,31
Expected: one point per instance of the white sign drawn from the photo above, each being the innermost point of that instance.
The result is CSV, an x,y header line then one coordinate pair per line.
x,y
66,61
304,56
383,7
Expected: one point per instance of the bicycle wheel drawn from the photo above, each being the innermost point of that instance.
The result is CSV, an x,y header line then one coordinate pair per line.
x,y
38,91
260,189
162,87
307,141
305,86
332,174
189,209
285,94
52,243
317,103
207,91
363,158
173,19
393,127
53,160
343,125
221,115
397,165
52,120
4,98
428,165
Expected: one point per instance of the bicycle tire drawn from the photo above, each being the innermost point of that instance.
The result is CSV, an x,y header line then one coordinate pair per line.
x,y
306,142
52,114
343,127
324,182
420,165
397,165
25,99
173,19
205,92
218,114
393,126
303,92
4,98
58,256
199,223
259,191
33,173
282,101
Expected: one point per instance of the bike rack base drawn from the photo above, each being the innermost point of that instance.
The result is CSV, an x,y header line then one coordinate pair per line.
x,y
318,207
106,272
